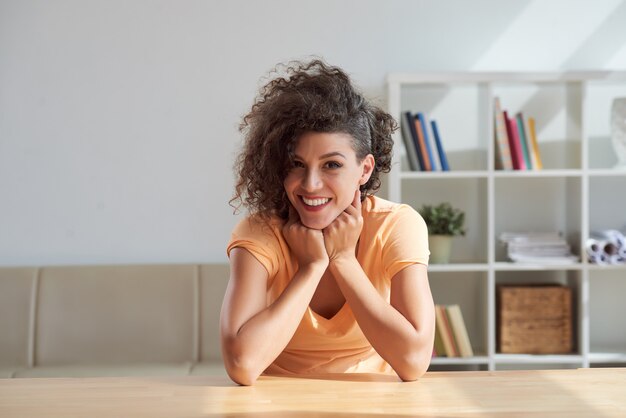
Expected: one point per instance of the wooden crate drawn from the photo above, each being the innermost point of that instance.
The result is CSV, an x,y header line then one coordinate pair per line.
x,y
534,319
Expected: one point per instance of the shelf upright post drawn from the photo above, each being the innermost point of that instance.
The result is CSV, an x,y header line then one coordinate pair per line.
x,y
393,104
583,300
491,233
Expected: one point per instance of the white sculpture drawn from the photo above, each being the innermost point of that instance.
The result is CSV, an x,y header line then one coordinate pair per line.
x,y
618,130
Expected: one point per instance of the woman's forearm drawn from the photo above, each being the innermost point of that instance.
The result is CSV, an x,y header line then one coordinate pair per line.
x,y
260,340
405,346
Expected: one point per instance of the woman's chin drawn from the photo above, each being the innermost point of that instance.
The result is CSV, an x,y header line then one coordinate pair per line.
x,y
314,223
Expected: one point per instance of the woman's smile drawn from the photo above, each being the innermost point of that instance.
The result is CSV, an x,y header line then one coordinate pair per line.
x,y
315,204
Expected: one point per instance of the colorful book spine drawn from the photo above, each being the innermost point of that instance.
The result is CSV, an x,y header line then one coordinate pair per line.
x,y
429,151
521,132
442,155
439,348
422,145
514,145
407,138
535,146
460,331
503,153
416,144
441,321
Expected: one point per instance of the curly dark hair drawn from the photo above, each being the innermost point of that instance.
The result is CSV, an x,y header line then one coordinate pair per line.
x,y
315,97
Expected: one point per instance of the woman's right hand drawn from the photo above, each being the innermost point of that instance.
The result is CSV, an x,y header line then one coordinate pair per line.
x,y
306,244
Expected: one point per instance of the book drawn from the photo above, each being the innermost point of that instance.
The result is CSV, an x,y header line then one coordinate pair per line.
x,y
535,146
439,348
422,119
441,322
407,138
523,140
442,155
416,145
422,144
459,330
503,153
514,144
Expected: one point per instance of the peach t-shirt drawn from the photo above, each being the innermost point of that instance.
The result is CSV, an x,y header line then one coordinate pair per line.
x,y
394,236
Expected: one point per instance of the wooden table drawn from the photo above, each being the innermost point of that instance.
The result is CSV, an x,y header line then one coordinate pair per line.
x,y
596,393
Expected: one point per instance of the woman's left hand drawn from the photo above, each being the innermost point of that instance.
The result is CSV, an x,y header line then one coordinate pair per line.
x,y
342,235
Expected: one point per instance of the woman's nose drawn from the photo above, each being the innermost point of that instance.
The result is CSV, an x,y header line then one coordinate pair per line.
x,y
312,181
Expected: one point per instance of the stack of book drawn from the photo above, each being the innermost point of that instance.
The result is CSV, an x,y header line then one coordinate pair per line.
x,y
421,153
537,247
515,140
451,338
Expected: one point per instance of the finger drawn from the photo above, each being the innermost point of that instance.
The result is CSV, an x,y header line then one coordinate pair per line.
x,y
357,199
355,207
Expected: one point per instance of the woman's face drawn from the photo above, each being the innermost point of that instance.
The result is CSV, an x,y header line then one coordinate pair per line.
x,y
325,177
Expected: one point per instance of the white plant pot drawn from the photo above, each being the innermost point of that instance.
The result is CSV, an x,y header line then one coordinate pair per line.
x,y
618,130
440,248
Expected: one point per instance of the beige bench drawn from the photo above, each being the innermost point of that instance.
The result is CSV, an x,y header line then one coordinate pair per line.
x,y
111,320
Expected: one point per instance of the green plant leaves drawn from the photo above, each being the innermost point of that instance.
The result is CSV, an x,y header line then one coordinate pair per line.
x,y
443,219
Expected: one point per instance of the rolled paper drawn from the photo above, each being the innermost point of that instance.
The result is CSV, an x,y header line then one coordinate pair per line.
x,y
614,236
599,258
609,248
592,247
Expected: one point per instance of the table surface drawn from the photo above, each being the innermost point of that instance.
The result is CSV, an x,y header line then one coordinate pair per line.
x,y
596,393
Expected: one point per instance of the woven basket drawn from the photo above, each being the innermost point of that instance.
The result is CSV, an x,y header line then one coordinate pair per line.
x,y
534,319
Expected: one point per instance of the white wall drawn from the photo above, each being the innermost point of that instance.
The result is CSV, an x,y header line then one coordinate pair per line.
x,y
118,119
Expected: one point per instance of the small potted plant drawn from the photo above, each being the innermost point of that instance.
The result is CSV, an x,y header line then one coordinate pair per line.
x,y
444,222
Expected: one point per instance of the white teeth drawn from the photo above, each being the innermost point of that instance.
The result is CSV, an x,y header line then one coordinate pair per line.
x,y
315,202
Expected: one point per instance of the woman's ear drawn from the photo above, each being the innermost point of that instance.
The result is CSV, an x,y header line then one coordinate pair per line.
x,y
368,168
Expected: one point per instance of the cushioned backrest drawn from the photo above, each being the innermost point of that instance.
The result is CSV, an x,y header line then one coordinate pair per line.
x,y
213,281
16,290
117,314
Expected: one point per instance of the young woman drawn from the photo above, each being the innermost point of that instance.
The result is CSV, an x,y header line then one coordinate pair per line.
x,y
325,277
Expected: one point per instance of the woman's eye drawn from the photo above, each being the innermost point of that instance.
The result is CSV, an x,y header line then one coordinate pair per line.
x,y
297,164
333,164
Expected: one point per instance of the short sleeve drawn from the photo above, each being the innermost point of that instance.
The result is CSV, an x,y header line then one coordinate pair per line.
x,y
406,240
260,239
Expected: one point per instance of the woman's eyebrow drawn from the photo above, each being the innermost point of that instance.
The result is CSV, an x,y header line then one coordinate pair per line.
x,y
324,156
332,154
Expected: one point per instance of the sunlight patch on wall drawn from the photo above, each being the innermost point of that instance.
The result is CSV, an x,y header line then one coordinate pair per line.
x,y
553,36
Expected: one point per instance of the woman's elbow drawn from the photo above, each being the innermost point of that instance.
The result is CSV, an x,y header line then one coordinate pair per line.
x,y
238,364
414,366
240,371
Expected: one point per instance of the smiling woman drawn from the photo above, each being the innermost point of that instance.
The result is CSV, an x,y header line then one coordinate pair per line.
x,y
325,277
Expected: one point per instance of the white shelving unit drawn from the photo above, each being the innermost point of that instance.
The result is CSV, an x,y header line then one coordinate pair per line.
x,y
575,193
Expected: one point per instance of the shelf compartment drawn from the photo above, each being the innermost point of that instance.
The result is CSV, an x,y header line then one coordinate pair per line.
x,y
570,278
538,204
465,140
467,194
469,291
607,201
598,100
557,110
607,311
